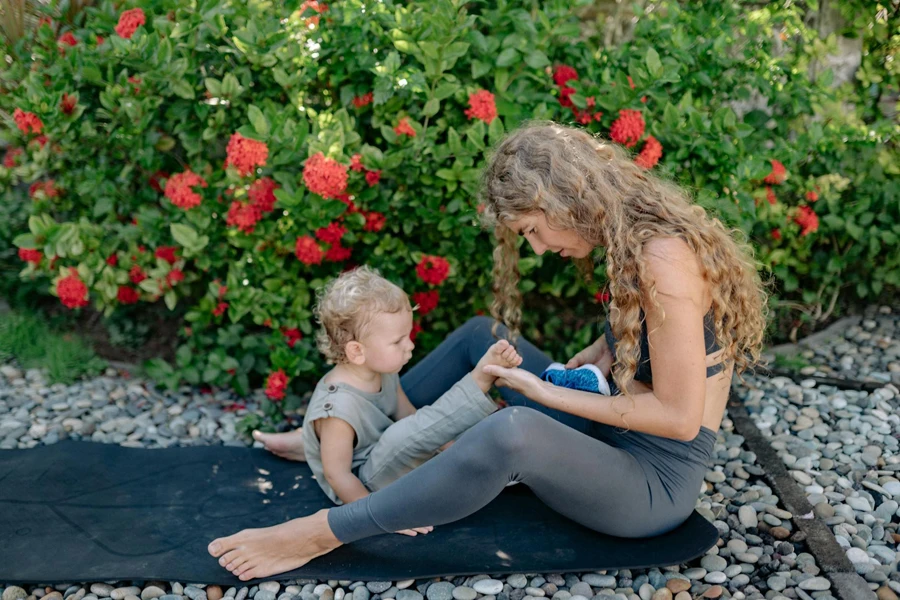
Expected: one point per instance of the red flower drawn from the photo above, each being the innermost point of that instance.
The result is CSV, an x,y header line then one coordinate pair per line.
x,y
356,163
223,289
179,192
220,309
67,39
433,269
778,174
243,215
129,21
276,385
811,196
331,234
644,99
127,295
770,195
807,219
135,81
41,140
325,176
30,255
416,328
373,177
365,99
482,106
650,153
112,260
155,181
174,276
630,82
10,159
564,73
427,301
375,221
345,198
136,274
43,190
338,253
602,296
564,97
776,234
45,21
68,103
308,251
262,194
100,40
167,253
628,128
26,120
293,336
404,128
315,6
245,154
71,290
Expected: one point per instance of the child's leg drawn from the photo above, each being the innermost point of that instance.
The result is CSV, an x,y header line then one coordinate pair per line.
x,y
411,441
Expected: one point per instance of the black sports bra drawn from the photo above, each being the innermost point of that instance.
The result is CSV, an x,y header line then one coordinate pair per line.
x,y
644,373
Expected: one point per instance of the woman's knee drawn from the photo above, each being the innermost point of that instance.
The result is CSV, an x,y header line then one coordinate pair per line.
x,y
511,433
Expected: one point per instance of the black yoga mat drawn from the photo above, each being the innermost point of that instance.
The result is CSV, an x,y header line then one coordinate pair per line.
x,y
80,511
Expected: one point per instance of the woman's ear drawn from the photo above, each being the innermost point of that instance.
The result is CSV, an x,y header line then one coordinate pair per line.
x,y
354,352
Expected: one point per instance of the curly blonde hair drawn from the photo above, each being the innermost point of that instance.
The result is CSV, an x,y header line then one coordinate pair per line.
x,y
593,187
346,306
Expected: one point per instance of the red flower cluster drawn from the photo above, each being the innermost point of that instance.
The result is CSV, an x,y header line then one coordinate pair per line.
x,y
433,269
628,128
174,276
778,174
67,39
112,260
375,221
245,154
179,192
127,295
365,99
293,336
325,176
220,309
155,181
243,215
807,219
71,290
30,255
602,297
373,177
416,328
276,385
167,253
564,73
427,301
262,194
27,120
314,5
331,234
308,251
356,163
68,103
650,153
136,274
482,106
129,21
10,158
811,196
404,128
770,195
43,190
776,234
337,253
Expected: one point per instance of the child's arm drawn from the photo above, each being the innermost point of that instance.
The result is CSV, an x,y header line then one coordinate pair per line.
x,y
404,406
336,438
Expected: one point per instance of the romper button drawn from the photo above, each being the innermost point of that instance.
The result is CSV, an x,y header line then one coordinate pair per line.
x,y
327,406
332,387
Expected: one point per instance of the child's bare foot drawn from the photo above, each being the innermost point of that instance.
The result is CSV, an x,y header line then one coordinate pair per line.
x,y
254,553
501,353
287,445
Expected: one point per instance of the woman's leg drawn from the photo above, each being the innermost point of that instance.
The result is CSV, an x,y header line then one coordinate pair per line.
x,y
460,352
589,481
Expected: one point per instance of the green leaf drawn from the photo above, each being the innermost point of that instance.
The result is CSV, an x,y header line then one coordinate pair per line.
x,y
431,107
258,119
171,299
454,141
213,86
537,59
654,66
182,88
507,57
445,90
479,69
184,234
447,174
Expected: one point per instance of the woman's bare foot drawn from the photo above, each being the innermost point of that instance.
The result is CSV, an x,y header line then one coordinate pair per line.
x,y
501,353
287,445
254,553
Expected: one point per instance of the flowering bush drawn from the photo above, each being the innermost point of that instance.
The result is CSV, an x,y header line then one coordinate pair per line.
x,y
227,158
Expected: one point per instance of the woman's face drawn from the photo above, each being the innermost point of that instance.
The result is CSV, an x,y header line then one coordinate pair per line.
x,y
534,228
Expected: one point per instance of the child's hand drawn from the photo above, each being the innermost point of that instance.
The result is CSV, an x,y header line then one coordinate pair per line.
x,y
415,531
501,354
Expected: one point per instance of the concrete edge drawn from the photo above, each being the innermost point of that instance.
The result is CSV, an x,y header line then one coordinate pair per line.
x,y
847,584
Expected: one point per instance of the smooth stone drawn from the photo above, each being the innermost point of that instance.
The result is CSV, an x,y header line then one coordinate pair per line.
x,y
376,587
151,592
463,593
488,587
414,595
14,592
715,577
815,584
600,581
442,590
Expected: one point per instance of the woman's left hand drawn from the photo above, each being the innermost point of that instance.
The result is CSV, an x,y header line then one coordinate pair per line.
x,y
519,380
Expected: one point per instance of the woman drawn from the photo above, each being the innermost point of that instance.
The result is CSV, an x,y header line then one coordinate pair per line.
x,y
687,309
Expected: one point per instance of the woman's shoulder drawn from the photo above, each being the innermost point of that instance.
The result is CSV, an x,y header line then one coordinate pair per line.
x,y
675,268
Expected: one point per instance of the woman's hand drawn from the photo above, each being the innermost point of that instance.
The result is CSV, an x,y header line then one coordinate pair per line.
x,y
597,354
526,383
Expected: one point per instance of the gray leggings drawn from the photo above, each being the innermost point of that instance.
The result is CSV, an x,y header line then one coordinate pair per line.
x,y
625,484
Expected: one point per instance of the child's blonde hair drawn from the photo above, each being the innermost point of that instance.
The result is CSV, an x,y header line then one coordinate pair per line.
x,y
346,305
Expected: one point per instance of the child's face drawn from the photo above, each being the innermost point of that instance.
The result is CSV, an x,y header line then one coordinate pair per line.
x,y
386,344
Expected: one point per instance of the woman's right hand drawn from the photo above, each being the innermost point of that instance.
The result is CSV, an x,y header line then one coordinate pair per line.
x,y
597,354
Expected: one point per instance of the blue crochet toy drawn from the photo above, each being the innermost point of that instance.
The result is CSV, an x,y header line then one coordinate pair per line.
x,y
587,378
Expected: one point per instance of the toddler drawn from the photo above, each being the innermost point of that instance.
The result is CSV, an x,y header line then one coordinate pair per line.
x,y
360,431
